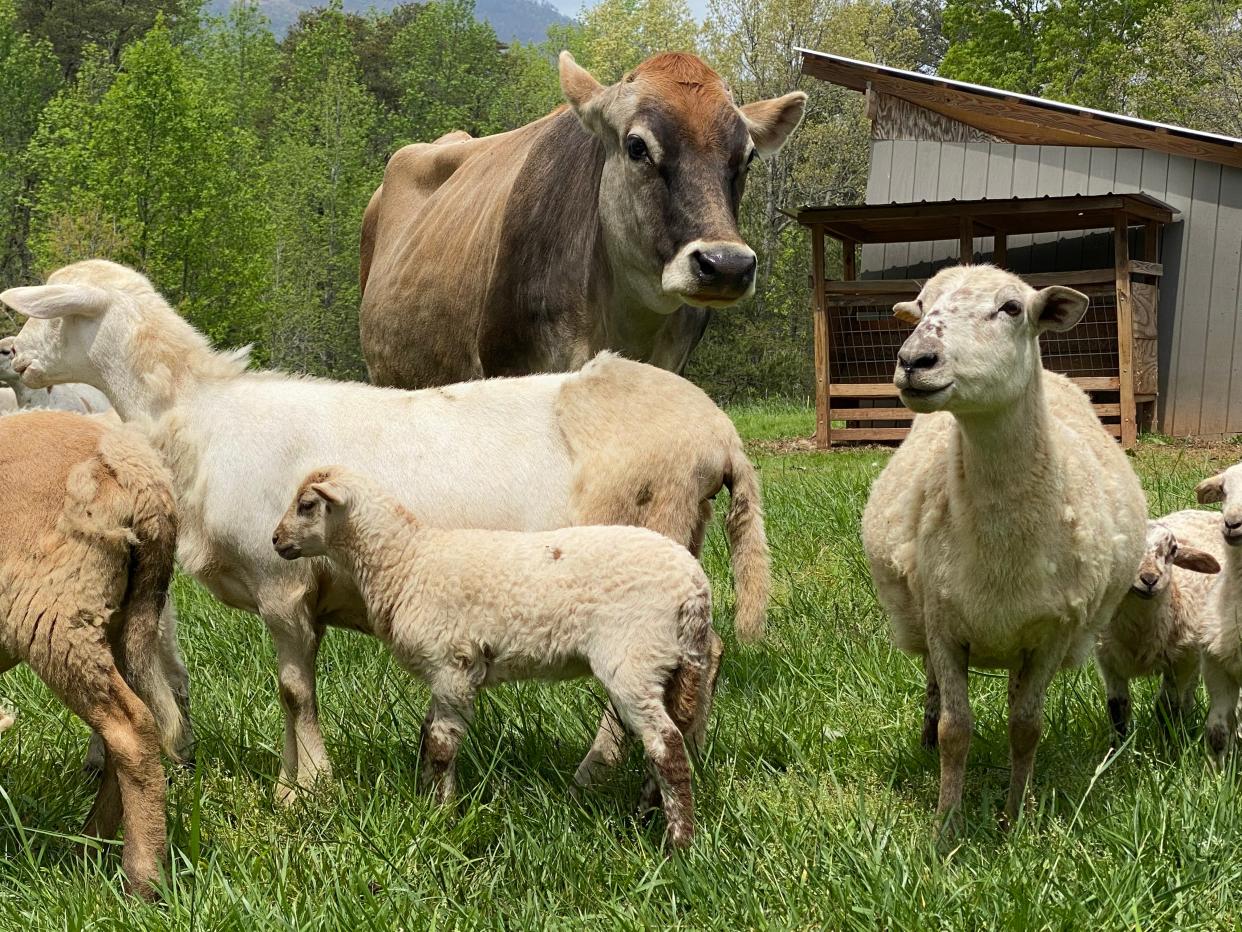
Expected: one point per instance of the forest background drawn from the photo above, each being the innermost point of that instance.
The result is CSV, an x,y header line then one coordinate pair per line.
x,y
229,150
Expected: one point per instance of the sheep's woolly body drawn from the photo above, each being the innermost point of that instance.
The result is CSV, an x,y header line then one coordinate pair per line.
x,y
1036,542
1222,625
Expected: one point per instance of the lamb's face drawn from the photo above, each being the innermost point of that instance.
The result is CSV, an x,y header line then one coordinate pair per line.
x,y
1165,551
307,525
1225,488
8,374
975,346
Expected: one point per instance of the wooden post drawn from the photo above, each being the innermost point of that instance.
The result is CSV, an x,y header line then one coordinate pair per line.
x,y
1000,250
849,260
819,308
1125,328
966,241
1151,241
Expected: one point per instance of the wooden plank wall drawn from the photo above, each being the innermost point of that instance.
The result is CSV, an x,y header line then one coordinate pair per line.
x,y
1200,350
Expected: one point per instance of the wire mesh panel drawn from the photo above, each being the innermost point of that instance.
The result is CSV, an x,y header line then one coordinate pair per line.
x,y
1090,348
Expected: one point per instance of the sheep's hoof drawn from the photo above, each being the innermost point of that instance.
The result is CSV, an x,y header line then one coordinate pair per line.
x,y
678,838
7,718
287,795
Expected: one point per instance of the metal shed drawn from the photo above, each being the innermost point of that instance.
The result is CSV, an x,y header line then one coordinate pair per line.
x,y
935,139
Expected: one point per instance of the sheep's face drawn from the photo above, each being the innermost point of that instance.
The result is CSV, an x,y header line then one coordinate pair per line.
x,y
975,346
307,525
1165,551
7,373
1225,488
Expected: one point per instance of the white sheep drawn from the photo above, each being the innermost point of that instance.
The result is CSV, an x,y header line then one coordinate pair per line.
x,y
81,398
466,609
617,442
86,556
1157,627
1222,623
1007,527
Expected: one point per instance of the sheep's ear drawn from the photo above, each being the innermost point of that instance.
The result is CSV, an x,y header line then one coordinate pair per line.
x,y
772,122
908,312
1057,308
1195,560
1210,491
330,492
48,301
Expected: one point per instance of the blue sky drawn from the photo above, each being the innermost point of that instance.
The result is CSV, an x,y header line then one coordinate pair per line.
x,y
571,7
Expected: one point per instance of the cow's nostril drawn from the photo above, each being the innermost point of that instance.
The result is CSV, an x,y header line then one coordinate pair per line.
x,y
727,268
704,266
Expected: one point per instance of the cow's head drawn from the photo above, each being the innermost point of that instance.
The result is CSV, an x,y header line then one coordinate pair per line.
x,y
677,153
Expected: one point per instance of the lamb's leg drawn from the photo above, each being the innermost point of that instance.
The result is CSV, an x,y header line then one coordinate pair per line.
x,y
1222,720
304,759
606,751
1117,689
1177,692
1028,690
178,676
931,709
950,663
446,724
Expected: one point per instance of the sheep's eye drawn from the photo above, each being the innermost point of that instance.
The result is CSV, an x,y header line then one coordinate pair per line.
x,y
305,507
636,149
1012,308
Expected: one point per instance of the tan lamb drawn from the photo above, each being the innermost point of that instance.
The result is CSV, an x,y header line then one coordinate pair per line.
x,y
86,556
466,609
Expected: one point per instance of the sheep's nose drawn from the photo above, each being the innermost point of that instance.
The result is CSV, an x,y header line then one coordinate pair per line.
x,y
275,540
1149,579
1233,525
910,361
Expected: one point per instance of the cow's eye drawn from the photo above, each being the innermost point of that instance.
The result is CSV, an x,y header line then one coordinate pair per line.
x,y
1012,308
754,154
636,149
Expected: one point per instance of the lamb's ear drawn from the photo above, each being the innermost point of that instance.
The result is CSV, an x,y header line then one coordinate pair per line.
x,y
48,301
1196,560
1057,308
330,492
771,122
908,312
1210,491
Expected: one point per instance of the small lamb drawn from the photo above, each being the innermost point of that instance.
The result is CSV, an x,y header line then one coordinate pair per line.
x,y
1156,628
465,609
1222,624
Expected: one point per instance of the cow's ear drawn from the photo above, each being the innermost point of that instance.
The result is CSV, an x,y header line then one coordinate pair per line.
x,y
772,121
577,84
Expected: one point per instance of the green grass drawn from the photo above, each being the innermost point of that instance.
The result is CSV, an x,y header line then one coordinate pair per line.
x,y
814,798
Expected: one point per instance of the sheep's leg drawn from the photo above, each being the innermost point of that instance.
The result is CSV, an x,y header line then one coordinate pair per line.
x,y
1177,692
606,751
950,665
1028,690
1117,689
446,724
178,677
687,700
304,759
699,533
132,791
1222,720
931,708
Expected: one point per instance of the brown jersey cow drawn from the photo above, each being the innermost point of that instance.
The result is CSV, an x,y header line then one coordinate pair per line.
x,y
608,224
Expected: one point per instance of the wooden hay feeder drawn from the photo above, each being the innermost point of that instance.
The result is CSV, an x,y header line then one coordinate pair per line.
x,y
1111,354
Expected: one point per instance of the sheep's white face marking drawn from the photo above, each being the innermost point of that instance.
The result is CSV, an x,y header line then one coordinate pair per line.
x,y
1164,551
1225,488
976,343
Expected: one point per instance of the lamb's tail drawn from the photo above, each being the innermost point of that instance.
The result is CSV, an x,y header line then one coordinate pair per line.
x,y
151,570
688,696
748,547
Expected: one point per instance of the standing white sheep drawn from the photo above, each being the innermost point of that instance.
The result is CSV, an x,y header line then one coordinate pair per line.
x,y
1222,623
86,556
617,442
81,398
467,609
1157,627
1007,527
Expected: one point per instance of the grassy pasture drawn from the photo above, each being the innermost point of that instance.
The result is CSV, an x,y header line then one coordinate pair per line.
x,y
814,797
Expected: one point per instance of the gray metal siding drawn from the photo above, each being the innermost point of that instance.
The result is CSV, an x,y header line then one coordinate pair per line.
x,y
1200,338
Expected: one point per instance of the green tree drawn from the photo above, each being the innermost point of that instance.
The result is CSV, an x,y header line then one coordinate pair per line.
x,y
29,77
324,167
237,57
150,169
72,25
616,35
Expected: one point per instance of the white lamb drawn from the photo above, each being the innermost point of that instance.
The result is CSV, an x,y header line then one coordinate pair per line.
x,y
1222,625
618,442
1007,527
466,609
1158,625
80,398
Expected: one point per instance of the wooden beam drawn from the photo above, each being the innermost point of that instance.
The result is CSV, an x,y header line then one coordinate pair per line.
x,y
1125,331
966,240
1145,268
819,308
871,433
872,414
864,389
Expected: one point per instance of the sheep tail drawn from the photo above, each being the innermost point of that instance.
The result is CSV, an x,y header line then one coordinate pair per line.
x,y
748,548
141,661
